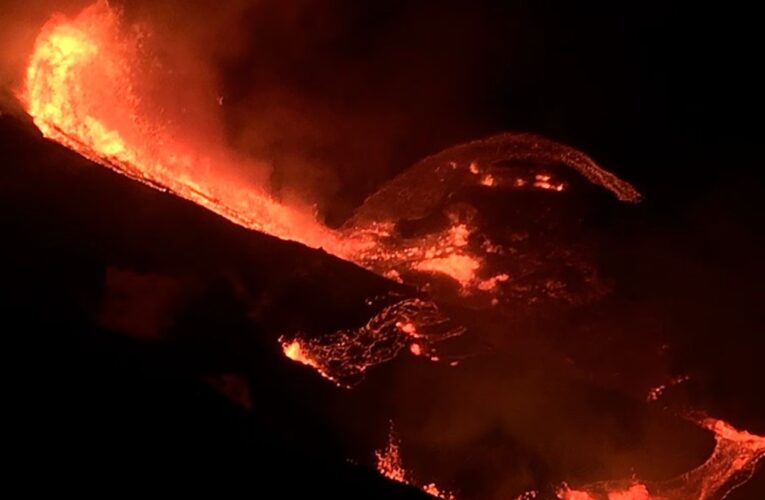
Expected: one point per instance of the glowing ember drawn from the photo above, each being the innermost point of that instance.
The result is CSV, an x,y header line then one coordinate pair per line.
x,y
389,464
389,460
543,182
656,392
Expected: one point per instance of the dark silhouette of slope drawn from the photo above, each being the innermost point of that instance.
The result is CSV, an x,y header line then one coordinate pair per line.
x,y
121,302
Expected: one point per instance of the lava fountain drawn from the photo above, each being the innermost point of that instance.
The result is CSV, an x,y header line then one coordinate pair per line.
x,y
83,90
88,87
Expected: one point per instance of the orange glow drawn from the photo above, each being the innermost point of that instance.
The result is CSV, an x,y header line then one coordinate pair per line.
x,y
85,88
493,282
389,464
294,351
343,356
80,91
460,267
733,461
543,182
389,461
656,392
635,492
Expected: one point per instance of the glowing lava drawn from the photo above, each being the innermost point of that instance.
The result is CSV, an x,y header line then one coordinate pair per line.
x,y
86,87
343,356
389,464
82,90
733,461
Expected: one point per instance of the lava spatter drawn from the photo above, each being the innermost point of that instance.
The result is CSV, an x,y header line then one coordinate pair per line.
x,y
390,465
343,356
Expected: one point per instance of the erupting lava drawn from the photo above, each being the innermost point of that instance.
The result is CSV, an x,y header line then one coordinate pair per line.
x,y
87,88
84,89
389,464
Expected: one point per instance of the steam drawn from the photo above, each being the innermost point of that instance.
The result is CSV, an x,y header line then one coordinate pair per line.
x,y
335,98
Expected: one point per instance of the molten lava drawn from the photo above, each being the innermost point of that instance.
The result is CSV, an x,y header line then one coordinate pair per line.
x,y
88,88
345,355
733,461
389,464
84,89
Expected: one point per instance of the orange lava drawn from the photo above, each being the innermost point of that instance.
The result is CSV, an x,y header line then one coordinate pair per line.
x,y
733,461
81,92
86,88
295,351
389,464
635,492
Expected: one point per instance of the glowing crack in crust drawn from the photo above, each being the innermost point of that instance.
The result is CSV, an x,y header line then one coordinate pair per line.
x,y
345,355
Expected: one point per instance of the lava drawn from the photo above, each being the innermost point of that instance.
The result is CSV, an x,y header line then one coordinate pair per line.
x,y
656,392
84,87
390,465
343,356
733,461
81,90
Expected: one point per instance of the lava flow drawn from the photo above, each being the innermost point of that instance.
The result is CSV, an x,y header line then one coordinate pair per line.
x,y
87,88
345,355
83,89
733,461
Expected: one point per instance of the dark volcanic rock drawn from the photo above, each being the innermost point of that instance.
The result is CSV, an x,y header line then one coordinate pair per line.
x,y
122,304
